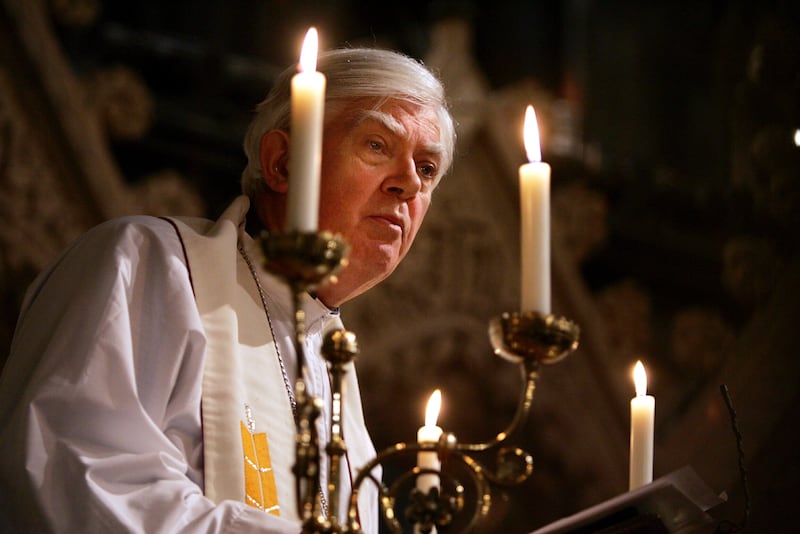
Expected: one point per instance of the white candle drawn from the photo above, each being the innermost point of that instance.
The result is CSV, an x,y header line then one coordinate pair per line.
x,y
534,190
430,433
305,150
643,408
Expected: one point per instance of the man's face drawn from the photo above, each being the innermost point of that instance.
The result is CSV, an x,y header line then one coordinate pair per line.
x,y
378,174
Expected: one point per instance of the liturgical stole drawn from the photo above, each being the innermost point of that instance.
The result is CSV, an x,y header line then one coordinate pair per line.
x,y
248,426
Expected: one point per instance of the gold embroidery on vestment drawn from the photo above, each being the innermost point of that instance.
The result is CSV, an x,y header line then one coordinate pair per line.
x,y
259,480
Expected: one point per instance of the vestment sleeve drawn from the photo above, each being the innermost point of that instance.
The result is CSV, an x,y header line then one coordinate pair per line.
x,y
100,427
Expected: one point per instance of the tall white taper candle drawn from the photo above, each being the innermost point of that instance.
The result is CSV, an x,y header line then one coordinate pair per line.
x,y
305,145
534,190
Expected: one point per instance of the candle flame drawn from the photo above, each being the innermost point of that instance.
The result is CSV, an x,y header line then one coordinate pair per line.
x,y
530,135
308,54
640,379
797,137
432,410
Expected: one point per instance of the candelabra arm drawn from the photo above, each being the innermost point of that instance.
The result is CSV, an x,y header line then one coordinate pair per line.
x,y
386,496
447,447
484,493
306,468
336,447
339,348
528,339
299,327
530,373
387,502
306,410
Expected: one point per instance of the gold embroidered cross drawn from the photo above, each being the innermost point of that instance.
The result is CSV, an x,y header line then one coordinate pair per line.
x,y
259,480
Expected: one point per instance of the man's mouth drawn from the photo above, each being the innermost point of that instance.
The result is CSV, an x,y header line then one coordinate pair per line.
x,y
390,221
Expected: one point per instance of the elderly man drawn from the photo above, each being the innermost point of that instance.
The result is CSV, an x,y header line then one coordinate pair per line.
x,y
150,386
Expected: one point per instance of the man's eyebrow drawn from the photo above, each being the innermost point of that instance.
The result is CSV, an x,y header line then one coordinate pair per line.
x,y
389,122
384,119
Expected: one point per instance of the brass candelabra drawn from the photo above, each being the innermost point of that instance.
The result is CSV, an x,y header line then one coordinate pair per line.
x,y
306,260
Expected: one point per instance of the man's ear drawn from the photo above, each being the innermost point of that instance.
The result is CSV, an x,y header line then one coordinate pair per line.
x,y
273,156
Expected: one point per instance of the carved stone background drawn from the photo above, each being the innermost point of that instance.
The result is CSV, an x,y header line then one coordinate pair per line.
x,y
690,266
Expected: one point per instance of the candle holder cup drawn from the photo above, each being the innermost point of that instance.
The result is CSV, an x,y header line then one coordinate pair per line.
x,y
305,260
533,336
528,339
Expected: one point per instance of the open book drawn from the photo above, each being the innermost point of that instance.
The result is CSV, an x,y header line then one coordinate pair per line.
x,y
675,503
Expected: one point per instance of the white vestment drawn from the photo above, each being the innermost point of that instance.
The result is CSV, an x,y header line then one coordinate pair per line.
x,y
101,427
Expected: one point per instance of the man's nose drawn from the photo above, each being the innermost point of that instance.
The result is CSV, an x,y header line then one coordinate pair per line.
x,y
403,181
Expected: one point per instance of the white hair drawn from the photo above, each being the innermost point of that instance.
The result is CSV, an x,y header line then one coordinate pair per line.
x,y
354,75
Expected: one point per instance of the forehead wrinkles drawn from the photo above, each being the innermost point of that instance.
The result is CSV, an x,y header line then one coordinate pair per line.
x,y
425,122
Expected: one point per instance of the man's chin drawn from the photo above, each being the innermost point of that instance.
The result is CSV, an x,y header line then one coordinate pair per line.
x,y
381,254
352,281
374,266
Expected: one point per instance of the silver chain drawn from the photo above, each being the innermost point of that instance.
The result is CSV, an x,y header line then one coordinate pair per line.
x,y
286,382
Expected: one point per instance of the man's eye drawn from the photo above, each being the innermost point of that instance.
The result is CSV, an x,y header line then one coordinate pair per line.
x,y
375,146
428,171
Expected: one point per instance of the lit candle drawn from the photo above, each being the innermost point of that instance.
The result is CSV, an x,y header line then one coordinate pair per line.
x,y
305,152
534,189
430,433
643,408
